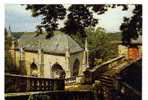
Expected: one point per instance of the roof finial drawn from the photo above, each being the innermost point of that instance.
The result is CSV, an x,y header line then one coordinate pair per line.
x,y
86,53
9,32
9,28
86,45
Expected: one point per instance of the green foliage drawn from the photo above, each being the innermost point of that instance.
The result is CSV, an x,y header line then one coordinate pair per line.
x,y
100,44
132,27
100,47
51,14
79,17
18,34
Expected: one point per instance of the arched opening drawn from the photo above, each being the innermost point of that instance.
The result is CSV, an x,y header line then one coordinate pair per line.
x,y
76,67
34,69
58,71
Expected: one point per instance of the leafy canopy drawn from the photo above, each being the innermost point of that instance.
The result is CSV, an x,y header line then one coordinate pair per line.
x,y
78,17
51,14
132,27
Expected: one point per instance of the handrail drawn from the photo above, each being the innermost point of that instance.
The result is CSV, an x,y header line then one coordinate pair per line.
x,y
129,63
106,63
26,76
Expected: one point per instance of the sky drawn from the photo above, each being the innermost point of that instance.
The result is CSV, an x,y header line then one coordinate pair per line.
x,y
20,20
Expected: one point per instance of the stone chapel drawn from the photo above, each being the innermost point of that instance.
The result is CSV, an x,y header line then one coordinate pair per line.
x,y
58,57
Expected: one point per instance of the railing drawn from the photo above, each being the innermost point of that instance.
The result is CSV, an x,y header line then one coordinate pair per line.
x,y
52,95
91,74
74,79
21,83
109,64
70,80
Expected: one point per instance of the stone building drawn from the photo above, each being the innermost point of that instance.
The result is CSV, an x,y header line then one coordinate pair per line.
x,y
57,57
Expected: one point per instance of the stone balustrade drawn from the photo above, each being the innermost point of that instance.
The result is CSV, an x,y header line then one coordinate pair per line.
x,y
92,74
21,83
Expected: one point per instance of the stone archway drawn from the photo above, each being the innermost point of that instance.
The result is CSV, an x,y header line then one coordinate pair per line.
x,y
76,67
34,69
58,71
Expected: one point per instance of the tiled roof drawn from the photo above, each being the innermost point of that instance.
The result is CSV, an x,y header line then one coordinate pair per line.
x,y
57,44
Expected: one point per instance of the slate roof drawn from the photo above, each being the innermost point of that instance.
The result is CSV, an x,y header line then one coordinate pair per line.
x,y
57,44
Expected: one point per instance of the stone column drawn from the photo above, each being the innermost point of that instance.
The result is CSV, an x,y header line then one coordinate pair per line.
x,y
67,57
13,53
87,53
40,63
22,62
86,56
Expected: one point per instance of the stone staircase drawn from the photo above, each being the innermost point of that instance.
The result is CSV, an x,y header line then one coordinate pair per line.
x,y
107,80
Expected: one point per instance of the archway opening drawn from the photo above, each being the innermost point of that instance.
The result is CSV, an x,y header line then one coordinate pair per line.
x,y
58,71
76,68
34,69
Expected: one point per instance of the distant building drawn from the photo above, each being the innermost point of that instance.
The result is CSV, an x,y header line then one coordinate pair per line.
x,y
131,51
57,57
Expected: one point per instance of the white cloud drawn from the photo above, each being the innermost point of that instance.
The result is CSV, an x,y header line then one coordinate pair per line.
x,y
21,20
17,8
113,18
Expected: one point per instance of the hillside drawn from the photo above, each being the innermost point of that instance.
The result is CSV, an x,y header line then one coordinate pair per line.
x,y
113,36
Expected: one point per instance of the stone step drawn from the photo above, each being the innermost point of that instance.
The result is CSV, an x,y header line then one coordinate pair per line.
x,y
107,78
106,81
110,86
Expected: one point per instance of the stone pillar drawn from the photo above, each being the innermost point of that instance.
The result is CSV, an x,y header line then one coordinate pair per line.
x,y
87,53
40,63
13,54
67,57
22,62
50,71
86,57
21,53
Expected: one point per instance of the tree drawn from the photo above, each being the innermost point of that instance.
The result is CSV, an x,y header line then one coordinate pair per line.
x,y
79,17
100,49
51,14
132,27
80,23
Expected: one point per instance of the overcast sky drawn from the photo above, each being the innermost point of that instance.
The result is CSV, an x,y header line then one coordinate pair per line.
x,y
20,20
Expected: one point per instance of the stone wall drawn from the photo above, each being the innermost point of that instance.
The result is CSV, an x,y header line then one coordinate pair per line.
x,y
45,62
73,58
